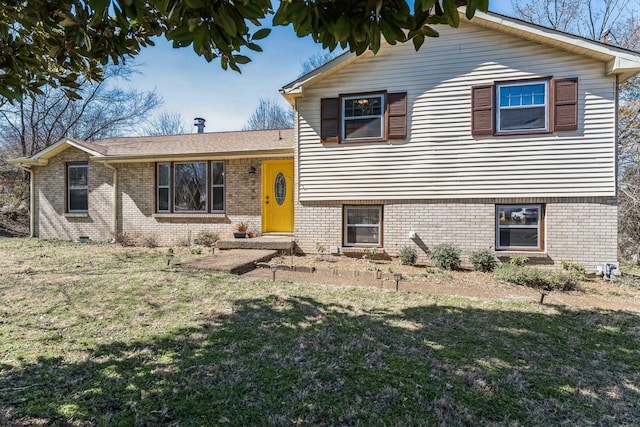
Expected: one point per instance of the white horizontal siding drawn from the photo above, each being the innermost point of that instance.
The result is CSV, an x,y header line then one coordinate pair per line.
x,y
440,158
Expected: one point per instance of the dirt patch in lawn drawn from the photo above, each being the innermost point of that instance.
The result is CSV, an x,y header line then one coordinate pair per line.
x,y
347,271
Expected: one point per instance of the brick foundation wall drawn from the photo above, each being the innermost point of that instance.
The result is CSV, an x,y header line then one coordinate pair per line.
x,y
584,230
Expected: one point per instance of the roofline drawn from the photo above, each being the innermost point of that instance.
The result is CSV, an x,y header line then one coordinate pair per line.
x,y
54,149
617,60
27,162
279,152
293,90
620,61
41,158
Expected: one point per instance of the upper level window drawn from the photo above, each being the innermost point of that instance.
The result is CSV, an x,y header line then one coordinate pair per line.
x,y
196,187
362,117
77,187
523,107
519,227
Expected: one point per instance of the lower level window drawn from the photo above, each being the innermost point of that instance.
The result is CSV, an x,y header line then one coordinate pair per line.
x,y
519,227
77,187
362,225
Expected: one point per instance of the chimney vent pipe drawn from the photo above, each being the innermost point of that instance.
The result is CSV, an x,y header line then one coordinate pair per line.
x,y
199,123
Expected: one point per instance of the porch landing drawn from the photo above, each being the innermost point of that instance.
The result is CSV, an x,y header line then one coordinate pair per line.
x,y
234,261
279,242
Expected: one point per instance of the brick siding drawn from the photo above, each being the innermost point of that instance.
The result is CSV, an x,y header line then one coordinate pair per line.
x,y
136,202
137,214
52,222
581,229
584,230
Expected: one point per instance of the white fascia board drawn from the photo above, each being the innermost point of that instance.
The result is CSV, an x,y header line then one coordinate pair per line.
x,y
294,90
60,146
27,161
275,153
618,60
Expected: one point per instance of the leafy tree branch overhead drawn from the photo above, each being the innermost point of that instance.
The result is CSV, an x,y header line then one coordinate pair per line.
x,y
61,42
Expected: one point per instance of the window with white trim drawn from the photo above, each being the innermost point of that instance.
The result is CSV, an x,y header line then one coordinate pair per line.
x,y
523,106
519,227
164,188
190,187
363,226
77,187
217,187
363,117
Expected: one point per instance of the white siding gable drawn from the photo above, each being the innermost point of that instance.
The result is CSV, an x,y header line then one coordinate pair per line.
x,y
440,158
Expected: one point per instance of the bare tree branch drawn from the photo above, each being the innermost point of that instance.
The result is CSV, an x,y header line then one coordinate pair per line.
x,y
269,115
166,124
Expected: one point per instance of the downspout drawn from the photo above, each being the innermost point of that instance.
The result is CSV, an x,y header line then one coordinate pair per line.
x,y
115,200
616,131
32,201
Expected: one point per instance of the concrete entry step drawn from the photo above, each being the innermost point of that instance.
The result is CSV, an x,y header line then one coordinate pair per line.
x,y
234,261
281,243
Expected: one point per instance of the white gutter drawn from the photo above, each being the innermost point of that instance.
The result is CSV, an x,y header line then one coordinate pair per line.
x,y
279,152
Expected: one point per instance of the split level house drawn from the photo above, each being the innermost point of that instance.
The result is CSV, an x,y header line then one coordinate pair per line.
x,y
497,135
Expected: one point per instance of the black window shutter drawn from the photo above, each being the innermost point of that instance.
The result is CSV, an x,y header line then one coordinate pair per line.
x,y
565,104
329,119
397,108
482,114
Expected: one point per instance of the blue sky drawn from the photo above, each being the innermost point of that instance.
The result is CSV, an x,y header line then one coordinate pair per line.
x,y
194,88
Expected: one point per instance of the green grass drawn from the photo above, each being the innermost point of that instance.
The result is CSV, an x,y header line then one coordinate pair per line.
x,y
100,335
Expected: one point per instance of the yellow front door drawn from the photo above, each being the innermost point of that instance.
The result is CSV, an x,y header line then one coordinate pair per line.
x,y
277,196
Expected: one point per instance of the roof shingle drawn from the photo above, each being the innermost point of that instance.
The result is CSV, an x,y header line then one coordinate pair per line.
x,y
196,143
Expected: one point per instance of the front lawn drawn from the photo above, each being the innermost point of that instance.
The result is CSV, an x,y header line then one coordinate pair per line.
x,y
100,335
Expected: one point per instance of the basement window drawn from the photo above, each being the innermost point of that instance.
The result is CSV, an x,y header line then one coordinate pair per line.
x,y
363,226
519,227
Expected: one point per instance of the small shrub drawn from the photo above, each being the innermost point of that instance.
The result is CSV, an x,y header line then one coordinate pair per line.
x,y
196,251
563,281
369,253
446,256
484,261
519,260
149,241
574,268
520,275
408,255
535,277
208,238
124,239
320,250
182,241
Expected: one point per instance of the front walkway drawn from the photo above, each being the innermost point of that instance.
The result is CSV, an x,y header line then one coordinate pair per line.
x,y
235,261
